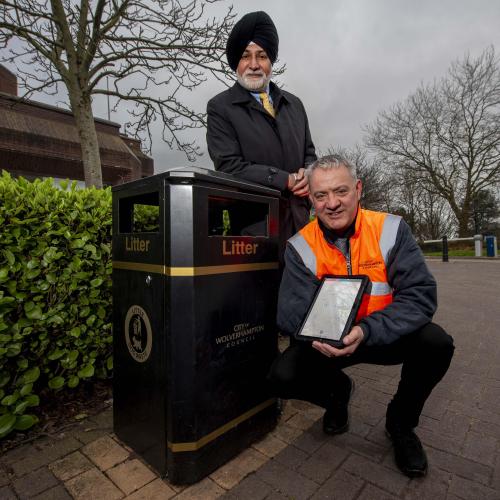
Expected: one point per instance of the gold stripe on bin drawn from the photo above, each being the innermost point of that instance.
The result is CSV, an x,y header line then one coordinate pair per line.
x,y
196,445
140,266
194,271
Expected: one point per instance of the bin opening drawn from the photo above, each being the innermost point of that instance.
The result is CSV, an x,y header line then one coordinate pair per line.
x,y
140,214
233,217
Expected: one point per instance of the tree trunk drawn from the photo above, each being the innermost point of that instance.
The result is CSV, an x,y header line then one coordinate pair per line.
x,y
463,226
463,218
84,120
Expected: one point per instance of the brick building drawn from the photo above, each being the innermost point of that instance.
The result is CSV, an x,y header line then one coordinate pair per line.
x,y
38,140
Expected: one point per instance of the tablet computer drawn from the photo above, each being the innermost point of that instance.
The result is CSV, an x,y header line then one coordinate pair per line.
x,y
333,310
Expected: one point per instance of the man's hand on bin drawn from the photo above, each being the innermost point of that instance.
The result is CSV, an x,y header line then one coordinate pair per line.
x,y
297,183
351,342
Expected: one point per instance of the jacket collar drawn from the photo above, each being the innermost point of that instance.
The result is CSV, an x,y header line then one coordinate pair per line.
x,y
239,95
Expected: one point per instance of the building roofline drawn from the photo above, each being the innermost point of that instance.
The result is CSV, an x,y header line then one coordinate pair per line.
x,y
50,107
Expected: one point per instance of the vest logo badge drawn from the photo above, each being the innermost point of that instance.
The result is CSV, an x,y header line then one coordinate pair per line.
x,y
370,264
138,334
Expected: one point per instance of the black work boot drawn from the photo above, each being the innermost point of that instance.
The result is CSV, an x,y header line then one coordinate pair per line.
x,y
336,417
408,451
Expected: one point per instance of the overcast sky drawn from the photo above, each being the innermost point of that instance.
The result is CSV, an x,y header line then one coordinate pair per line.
x,y
349,59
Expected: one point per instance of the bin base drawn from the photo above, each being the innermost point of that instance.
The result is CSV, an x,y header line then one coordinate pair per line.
x,y
188,467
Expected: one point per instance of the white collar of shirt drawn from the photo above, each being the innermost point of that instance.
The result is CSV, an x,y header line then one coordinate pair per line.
x,y
257,96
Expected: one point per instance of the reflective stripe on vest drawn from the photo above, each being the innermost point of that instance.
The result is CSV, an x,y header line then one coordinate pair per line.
x,y
305,251
388,236
380,288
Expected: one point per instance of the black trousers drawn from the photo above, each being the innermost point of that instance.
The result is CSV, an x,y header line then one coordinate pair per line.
x,y
302,372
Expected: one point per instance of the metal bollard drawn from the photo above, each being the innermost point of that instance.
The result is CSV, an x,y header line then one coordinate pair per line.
x,y
478,245
445,249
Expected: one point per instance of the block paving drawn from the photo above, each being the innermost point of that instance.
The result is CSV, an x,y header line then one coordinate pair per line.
x,y
460,429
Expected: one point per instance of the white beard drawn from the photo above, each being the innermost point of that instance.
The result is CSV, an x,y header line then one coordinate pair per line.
x,y
253,84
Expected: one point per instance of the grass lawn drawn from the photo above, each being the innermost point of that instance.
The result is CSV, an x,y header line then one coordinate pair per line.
x,y
455,253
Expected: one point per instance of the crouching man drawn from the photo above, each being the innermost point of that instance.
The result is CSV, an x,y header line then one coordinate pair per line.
x,y
394,323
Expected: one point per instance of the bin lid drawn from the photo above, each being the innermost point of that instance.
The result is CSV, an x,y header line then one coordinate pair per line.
x,y
193,175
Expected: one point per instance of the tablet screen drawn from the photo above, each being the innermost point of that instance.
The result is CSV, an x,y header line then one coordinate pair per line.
x,y
331,310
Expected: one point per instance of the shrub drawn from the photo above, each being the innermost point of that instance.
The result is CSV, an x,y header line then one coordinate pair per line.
x,y
55,292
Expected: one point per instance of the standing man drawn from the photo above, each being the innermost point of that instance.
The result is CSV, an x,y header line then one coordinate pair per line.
x,y
394,325
257,131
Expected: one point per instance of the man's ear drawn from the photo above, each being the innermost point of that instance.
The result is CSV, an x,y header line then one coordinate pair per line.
x,y
359,188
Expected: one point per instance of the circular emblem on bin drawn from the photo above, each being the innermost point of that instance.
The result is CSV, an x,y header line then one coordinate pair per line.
x,y
138,335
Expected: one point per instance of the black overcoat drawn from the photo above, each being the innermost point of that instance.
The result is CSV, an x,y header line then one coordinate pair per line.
x,y
246,141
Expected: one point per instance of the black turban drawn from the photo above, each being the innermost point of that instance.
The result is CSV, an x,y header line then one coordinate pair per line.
x,y
255,27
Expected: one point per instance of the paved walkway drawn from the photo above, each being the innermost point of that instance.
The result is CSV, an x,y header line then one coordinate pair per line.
x,y
460,428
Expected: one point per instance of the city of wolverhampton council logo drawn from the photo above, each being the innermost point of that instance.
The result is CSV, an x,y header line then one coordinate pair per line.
x,y
138,335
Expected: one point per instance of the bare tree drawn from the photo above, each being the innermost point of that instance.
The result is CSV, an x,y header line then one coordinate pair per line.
x,y
428,215
447,135
148,50
485,211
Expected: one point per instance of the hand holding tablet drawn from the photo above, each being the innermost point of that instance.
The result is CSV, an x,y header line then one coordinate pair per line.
x,y
333,310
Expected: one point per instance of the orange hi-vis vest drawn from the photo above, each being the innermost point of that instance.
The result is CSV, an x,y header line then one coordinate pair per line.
x,y
373,239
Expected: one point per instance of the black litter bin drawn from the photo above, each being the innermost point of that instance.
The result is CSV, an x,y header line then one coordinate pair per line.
x,y
195,283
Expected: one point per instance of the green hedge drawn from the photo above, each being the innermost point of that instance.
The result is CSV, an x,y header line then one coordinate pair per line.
x,y
55,293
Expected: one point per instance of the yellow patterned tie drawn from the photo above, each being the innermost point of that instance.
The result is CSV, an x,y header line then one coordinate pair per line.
x,y
266,103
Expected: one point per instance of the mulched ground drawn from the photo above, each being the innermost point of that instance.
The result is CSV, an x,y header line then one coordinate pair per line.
x,y
63,410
